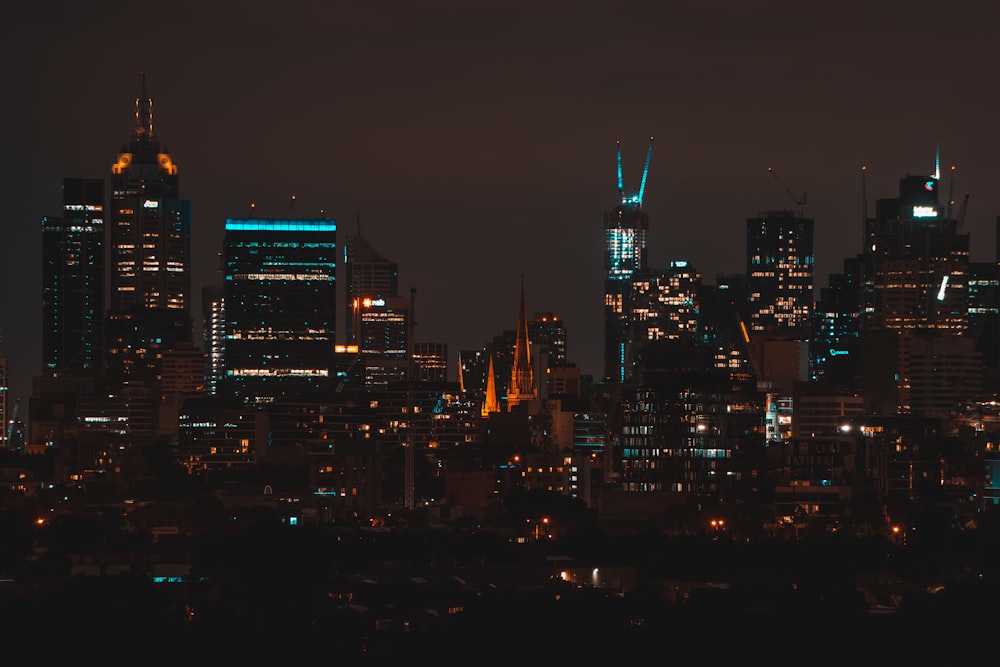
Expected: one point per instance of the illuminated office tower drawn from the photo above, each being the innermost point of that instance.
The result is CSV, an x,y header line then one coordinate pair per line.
x,y
149,237
73,280
547,331
367,275
920,290
280,307
383,335
779,255
665,304
625,228
920,261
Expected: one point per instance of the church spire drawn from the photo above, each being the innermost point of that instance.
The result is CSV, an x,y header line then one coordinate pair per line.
x,y
490,404
522,373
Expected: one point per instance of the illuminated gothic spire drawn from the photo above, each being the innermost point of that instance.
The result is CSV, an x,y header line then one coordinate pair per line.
x,y
490,404
522,373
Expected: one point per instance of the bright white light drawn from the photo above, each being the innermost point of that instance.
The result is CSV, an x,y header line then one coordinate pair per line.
x,y
944,284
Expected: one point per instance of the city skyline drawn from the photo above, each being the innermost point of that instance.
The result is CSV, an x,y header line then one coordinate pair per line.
x,y
507,168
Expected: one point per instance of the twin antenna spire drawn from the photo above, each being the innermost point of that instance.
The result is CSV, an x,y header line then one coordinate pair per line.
x,y
633,199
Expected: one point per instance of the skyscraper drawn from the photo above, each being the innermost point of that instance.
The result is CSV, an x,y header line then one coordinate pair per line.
x,y
150,255
73,280
625,228
780,272
367,275
920,261
665,303
280,307
383,335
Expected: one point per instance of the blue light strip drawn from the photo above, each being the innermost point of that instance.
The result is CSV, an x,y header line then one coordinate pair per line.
x,y
270,225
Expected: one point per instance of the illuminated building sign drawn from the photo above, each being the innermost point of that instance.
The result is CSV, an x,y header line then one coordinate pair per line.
x,y
149,203
924,212
373,303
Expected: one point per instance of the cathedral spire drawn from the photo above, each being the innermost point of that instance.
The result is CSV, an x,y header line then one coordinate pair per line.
x,y
522,373
490,404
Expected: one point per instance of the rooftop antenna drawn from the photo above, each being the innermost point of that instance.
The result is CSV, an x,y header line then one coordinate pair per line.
x,y
864,205
291,204
937,163
951,190
143,111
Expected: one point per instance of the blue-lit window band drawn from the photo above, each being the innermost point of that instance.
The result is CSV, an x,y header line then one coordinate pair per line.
x,y
264,225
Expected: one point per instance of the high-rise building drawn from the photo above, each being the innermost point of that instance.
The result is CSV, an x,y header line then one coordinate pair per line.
x,y
836,326
625,228
548,332
213,312
722,314
280,307
665,304
73,280
149,233
687,428
779,261
367,275
920,261
383,334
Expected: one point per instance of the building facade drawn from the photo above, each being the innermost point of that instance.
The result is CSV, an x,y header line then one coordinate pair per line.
x,y
280,306
73,280
779,272
625,229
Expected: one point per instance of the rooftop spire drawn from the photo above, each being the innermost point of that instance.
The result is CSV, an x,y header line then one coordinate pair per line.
x,y
143,113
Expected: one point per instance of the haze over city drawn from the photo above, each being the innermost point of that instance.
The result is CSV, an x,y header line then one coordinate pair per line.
x,y
476,143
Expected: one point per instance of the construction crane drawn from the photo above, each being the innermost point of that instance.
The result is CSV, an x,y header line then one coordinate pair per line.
x,y
634,199
799,201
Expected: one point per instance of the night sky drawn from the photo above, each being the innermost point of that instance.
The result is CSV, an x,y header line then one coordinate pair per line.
x,y
476,140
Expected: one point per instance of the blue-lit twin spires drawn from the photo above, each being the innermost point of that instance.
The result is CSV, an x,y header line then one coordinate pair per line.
x,y
634,199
